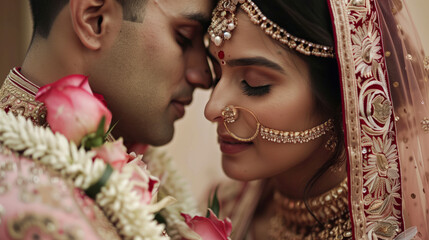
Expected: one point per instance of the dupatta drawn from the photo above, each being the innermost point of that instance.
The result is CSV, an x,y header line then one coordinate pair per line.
x,y
384,84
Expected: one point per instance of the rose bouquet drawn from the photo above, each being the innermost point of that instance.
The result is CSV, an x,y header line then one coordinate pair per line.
x,y
75,146
209,227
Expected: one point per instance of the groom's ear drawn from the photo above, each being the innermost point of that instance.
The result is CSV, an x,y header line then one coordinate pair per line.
x,y
96,22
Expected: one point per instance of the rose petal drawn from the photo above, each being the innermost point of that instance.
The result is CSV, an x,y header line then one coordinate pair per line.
x,y
138,148
224,225
114,153
75,80
142,181
209,228
187,218
74,112
101,99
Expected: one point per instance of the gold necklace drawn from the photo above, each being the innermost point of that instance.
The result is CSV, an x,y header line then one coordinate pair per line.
x,y
293,221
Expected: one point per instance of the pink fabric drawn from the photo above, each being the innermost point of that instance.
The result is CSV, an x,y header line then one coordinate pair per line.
x,y
38,202
409,89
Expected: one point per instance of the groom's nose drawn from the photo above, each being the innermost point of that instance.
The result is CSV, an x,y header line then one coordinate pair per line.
x,y
197,71
199,77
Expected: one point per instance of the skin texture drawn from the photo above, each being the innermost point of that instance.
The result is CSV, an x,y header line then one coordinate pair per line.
x,y
289,105
146,69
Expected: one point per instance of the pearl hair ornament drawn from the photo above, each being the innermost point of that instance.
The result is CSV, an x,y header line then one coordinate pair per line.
x,y
224,21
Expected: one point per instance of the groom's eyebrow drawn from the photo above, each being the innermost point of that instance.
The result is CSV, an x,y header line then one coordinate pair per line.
x,y
200,18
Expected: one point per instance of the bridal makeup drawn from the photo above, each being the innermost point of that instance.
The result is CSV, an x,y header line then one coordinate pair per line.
x,y
221,56
274,83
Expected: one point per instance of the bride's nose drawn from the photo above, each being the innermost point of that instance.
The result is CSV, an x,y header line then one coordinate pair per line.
x,y
221,96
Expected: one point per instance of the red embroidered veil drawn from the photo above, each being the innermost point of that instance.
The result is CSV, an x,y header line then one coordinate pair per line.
x,y
385,96
384,83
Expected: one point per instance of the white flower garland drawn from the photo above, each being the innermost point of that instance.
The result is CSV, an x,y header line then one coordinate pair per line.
x,y
133,220
172,184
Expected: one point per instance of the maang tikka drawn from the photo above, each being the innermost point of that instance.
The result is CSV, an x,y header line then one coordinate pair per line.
x,y
230,114
224,21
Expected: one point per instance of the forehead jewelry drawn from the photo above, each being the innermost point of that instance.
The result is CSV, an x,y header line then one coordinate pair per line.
x,y
230,114
224,21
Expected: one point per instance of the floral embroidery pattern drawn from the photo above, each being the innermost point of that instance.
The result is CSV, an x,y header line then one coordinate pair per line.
x,y
39,227
379,215
366,49
382,168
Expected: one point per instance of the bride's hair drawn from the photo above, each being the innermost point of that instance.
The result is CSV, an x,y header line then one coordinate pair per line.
x,y
310,20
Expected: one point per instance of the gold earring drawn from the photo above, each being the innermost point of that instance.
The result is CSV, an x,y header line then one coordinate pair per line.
x,y
332,142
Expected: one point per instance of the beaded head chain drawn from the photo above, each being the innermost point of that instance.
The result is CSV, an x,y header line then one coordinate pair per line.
x,y
224,21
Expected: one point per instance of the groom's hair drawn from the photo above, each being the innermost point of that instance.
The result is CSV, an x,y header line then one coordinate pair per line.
x,y
44,13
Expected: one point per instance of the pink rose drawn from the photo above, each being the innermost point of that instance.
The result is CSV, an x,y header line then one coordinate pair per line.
x,y
209,228
114,153
73,110
138,148
143,183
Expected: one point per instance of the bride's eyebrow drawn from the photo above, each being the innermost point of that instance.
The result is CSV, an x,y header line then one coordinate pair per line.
x,y
256,61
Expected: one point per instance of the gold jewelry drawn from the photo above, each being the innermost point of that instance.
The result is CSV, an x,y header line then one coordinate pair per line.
x,y
294,221
230,115
278,136
332,142
224,21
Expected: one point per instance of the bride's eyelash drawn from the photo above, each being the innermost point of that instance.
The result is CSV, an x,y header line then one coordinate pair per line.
x,y
255,91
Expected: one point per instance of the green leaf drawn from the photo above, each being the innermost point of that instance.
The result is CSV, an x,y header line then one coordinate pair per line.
x,y
85,141
160,219
110,130
93,140
100,128
214,204
95,188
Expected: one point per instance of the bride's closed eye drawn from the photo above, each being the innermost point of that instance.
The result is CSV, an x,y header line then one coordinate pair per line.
x,y
254,90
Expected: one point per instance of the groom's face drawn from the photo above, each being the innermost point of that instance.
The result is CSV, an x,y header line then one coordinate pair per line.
x,y
153,68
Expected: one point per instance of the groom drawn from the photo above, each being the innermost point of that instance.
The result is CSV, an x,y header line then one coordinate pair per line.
x,y
145,57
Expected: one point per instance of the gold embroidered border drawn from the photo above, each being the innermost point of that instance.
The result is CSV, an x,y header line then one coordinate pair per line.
x,y
351,114
13,98
24,84
376,211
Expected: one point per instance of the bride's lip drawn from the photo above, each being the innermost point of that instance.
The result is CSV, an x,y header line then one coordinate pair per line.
x,y
229,145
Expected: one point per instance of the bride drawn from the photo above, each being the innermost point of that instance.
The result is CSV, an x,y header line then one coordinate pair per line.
x,y
325,103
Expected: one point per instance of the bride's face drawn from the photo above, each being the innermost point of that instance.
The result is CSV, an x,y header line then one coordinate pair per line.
x,y
259,74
